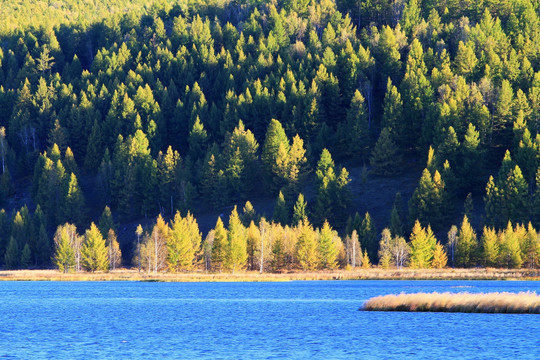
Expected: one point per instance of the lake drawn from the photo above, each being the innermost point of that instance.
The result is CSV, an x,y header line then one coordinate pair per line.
x,y
281,320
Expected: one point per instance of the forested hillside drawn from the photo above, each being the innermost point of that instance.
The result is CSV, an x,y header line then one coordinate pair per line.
x,y
154,109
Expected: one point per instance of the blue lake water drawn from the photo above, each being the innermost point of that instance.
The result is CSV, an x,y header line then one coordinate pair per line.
x,y
289,320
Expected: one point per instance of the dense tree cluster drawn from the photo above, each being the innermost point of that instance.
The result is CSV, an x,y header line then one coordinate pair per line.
x,y
164,106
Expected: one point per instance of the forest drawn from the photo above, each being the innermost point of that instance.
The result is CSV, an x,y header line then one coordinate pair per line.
x,y
121,121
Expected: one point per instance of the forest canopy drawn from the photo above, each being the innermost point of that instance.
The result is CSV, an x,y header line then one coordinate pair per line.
x,y
166,108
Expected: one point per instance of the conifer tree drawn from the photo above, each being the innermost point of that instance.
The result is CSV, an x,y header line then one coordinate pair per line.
x,y
439,257
26,255
236,256
385,157
106,222
307,247
248,214
328,249
275,138
299,210
219,246
465,60
467,245
94,150
473,160
531,248
220,194
411,16
392,110
209,175
169,182
253,245
69,162
42,252
73,205
353,134
281,213
333,196
139,232
396,223
368,236
468,206
510,248
354,223
94,250
240,159
64,255
12,256
428,199
183,242
423,244
490,247
366,263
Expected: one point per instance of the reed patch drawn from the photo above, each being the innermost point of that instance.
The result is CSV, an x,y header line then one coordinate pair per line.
x,y
504,302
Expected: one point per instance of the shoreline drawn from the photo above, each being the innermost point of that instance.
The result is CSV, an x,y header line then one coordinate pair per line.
x,y
251,276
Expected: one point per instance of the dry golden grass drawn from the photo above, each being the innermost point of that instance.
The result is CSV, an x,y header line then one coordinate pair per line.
x,y
521,303
356,274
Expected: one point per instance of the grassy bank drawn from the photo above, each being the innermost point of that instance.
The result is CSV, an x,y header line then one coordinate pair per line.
x,y
520,303
357,274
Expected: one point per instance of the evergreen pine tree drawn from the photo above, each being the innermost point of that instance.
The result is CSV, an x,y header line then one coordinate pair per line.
x,y
281,213
26,256
328,250
468,206
106,222
69,162
183,242
307,248
94,250
366,262
12,256
385,157
490,247
94,150
248,214
43,247
422,246
219,246
275,138
510,248
73,205
392,109
396,223
428,199
64,255
467,246
299,210
439,257
236,256
368,237
531,248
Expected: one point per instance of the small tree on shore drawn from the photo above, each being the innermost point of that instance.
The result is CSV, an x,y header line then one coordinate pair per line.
x,y
115,255
94,250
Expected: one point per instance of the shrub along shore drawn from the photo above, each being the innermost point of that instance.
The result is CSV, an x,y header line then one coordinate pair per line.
x,y
523,302
251,276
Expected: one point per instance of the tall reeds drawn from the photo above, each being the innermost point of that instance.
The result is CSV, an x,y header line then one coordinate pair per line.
x,y
520,303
